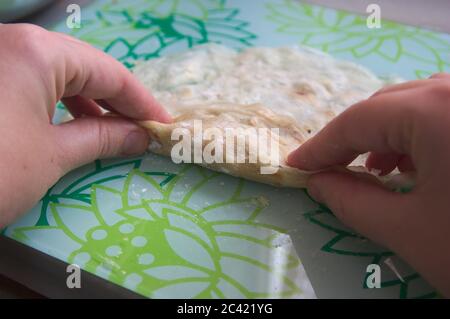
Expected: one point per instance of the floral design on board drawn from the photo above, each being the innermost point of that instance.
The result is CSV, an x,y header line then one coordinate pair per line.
x,y
340,32
155,233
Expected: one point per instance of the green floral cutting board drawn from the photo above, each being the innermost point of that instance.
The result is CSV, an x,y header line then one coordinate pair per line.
x,y
181,231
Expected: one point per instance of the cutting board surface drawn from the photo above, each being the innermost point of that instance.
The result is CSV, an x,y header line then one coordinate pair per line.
x,y
181,231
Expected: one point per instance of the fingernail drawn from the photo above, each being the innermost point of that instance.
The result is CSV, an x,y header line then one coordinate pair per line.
x,y
315,193
135,143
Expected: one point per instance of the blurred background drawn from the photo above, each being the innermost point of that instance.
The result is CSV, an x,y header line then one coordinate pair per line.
x,y
432,14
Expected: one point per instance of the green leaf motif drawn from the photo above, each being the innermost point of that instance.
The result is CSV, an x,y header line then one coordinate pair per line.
x,y
339,32
145,29
153,233
347,243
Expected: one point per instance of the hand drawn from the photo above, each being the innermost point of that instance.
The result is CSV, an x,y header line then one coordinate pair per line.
x,y
405,126
38,68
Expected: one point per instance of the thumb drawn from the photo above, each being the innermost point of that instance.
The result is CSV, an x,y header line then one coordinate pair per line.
x,y
362,204
86,139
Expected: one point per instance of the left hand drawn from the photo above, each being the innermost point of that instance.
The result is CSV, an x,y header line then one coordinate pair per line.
x,y
37,69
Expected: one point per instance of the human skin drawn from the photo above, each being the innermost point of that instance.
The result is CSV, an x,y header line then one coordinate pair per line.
x,y
38,68
405,126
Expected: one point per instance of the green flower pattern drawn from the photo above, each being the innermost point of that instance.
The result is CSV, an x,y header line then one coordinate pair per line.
x,y
166,230
345,242
153,232
150,29
347,35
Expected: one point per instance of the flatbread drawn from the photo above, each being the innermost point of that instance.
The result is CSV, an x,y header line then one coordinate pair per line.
x,y
297,90
224,116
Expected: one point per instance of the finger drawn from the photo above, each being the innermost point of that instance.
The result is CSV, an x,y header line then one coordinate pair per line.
x,y
86,139
384,162
402,86
382,124
441,75
67,37
405,164
92,74
366,207
79,106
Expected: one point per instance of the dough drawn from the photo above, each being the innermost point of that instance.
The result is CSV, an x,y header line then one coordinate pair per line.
x,y
222,116
296,90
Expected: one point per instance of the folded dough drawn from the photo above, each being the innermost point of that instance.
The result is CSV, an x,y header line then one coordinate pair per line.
x,y
223,116
297,90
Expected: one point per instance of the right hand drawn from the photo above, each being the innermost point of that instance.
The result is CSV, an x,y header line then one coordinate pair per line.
x,y
405,126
